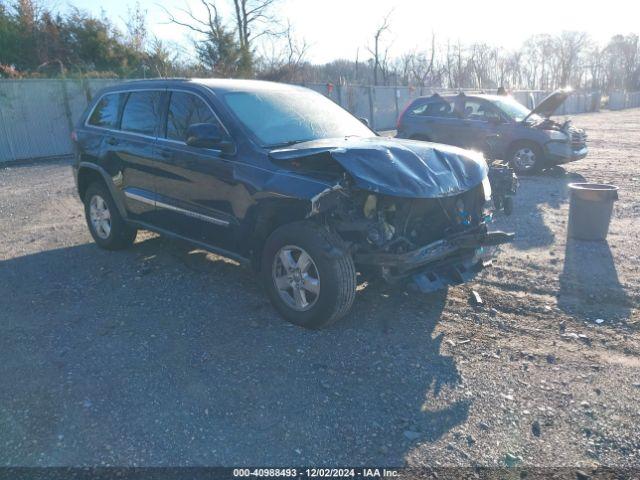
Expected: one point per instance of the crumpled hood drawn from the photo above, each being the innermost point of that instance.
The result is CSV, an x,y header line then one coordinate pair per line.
x,y
397,167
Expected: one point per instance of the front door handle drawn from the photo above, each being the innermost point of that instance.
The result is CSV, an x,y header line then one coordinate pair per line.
x,y
112,141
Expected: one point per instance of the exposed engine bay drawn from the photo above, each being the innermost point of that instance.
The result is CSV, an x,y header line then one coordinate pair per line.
x,y
425,217
398,225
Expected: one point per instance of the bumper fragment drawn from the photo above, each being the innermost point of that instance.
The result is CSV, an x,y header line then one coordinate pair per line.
x,y
442,277
453,250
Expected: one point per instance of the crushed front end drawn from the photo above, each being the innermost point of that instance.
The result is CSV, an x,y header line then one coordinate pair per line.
x,y
407,210
431,242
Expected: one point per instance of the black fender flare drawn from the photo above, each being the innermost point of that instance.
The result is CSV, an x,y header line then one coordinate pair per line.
x,y
116,194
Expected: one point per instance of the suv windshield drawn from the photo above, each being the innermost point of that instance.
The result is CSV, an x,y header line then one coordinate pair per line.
x,y
284,117
514,109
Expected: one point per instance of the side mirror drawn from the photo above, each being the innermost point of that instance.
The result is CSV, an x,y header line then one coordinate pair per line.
x,y
365,121
205,135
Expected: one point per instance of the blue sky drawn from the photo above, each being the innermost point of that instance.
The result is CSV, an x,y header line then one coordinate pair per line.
x,y
337,28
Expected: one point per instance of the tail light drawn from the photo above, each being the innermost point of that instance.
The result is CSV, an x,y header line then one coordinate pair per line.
x,y
404,110
74,136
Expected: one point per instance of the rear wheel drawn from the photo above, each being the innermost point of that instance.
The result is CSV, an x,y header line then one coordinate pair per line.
x,y
106,225
308,274
525,157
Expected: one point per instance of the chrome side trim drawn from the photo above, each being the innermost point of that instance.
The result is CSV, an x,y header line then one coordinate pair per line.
x,y
193,214
167,206
139,198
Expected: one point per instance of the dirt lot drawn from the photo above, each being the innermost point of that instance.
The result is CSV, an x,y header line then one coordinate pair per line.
x,y
165,355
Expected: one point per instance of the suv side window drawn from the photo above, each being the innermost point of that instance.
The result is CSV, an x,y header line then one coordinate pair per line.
x,y
105,113
480,110
434,108
141,112
185,109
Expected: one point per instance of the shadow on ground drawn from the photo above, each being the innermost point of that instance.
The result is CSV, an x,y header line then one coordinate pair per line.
x,y
589,284
547,189
161,355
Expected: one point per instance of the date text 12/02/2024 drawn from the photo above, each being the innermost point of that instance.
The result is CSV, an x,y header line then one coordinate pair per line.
x,y
314,472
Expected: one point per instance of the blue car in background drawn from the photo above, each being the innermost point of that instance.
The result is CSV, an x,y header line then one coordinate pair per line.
x,y
497,125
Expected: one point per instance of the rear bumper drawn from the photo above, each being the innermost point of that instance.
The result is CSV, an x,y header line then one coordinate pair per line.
x,y
452,260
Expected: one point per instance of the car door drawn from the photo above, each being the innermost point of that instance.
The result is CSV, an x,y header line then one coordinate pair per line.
x,y
450,124
478,125
196,187
433,120
128,145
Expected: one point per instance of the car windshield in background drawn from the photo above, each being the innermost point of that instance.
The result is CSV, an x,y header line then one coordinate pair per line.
x,y
285,117
514,109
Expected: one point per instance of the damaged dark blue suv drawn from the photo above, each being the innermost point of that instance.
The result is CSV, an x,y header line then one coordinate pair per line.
x,y
283,179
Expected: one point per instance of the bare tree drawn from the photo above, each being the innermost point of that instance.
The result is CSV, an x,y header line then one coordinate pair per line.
x,y
568,49
217,48
622,62
379,59
284,58
253,20
136,24
422,66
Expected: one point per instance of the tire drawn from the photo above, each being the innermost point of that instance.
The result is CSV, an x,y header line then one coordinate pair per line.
x,y
525,157
107,227
327,284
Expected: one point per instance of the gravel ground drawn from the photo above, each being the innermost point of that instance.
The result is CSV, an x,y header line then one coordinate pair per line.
x,y
165,355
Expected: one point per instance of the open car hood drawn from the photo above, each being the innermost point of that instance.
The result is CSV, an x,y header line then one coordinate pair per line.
x,y
390,166
551,103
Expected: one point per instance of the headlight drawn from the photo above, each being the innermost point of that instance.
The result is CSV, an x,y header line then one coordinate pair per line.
x,y
486,186
557,135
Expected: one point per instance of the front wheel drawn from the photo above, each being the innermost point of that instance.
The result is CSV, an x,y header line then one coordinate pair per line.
x,y
525,158
107,227
308,274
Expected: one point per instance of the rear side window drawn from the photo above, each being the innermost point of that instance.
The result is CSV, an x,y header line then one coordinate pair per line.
x,y
480,110
105,114
141,112
186,109
437,108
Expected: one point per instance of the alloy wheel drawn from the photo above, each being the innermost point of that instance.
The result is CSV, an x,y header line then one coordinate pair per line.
x,y
100,216
524,159
296,277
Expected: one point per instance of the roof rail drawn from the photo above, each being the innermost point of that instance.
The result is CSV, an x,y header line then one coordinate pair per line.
x,y
158,79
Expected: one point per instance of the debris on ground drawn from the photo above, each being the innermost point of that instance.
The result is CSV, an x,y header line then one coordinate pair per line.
x,y
476,298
